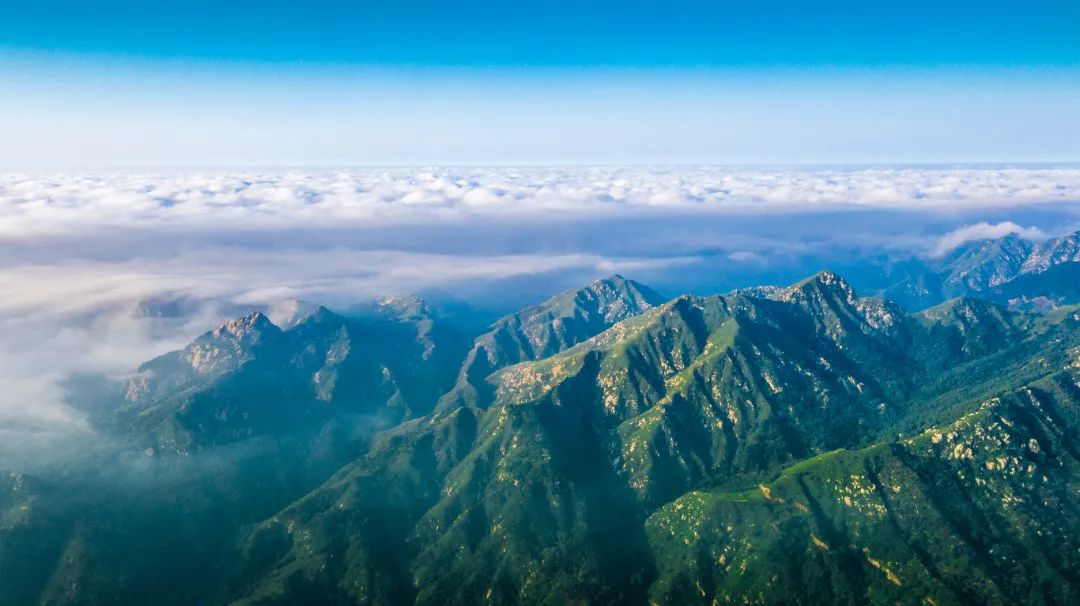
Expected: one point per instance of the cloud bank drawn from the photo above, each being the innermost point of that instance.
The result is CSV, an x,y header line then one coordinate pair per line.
x,y
34,205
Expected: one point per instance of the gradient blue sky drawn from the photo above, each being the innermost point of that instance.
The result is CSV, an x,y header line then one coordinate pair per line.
x,y
114,84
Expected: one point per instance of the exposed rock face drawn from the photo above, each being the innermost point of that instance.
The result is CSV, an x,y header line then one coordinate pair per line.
x,y
1053,252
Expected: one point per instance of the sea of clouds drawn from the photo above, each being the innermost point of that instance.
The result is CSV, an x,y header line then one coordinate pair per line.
x,y
69,203
85,260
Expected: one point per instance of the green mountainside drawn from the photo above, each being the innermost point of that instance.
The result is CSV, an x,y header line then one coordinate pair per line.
x,y
549,328
978,511
794,445
553,490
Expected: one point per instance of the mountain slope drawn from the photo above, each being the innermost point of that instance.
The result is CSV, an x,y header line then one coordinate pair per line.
x,y
797,444
560,485
223,433
987,264
248,378
976,511
31,527
1055,287
1001,270
549,328
508,502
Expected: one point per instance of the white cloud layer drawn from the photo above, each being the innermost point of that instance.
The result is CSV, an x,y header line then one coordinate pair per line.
x,y
260,200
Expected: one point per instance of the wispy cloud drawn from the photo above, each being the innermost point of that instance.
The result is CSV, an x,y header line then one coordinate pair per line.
x,y
985,231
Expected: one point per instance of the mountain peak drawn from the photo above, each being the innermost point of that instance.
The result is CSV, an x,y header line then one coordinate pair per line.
x,y
612,280
829,278
403,306
320,315
214,353
823,282
290,312
229,344
613,283
255,321
322,311
827,294
614,298
557,324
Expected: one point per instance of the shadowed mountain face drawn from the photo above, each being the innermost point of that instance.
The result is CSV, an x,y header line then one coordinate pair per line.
x,y
1055,287
248,378
800,444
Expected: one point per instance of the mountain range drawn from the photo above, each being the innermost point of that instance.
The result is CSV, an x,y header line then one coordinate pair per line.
x,y
798,444
1010,270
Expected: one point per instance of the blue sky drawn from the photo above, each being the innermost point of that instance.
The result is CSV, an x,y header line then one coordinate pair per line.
x,y
111,84
559,33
